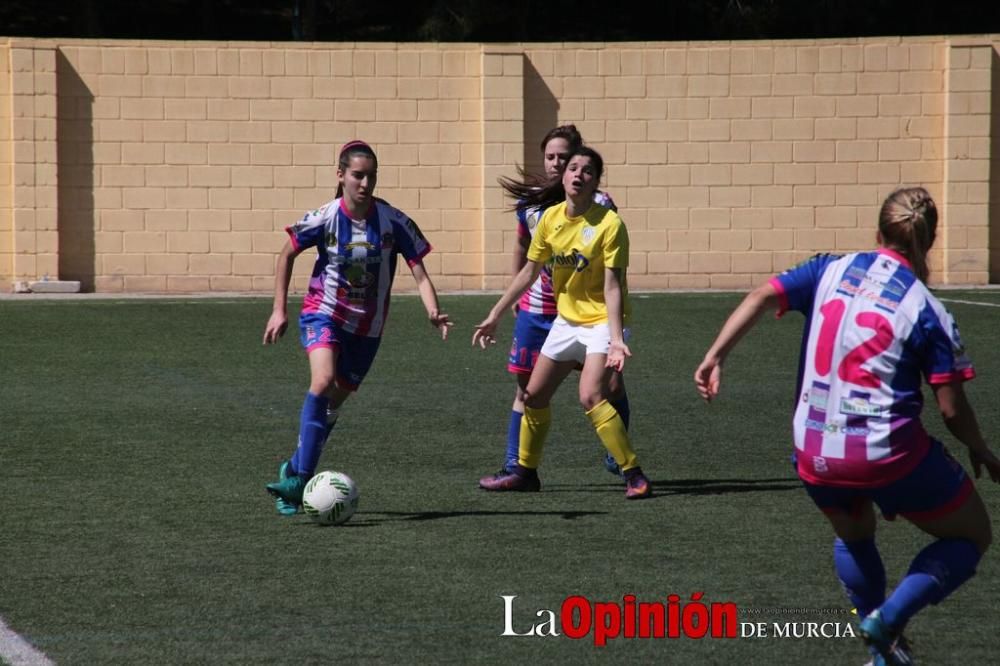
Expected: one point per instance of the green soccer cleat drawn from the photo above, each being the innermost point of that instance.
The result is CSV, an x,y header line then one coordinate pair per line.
x,y
287,490
284,507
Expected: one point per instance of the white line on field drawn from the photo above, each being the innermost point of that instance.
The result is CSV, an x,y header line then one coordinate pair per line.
x,y
16,651
955,300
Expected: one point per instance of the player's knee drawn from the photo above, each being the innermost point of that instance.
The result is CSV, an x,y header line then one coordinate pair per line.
x,y
321,383
590,398
535,401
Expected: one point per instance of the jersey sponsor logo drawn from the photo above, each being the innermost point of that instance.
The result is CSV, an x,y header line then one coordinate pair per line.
x,y
857,273
834,428
340,260
849,289
817,398
859,407
364,244
895,286
574,259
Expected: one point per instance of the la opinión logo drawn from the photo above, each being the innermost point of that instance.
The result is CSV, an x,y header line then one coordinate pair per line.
x,y
578,617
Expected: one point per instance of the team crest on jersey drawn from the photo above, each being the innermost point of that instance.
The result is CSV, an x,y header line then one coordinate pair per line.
x,y
330,237
587,234
358,276
388,240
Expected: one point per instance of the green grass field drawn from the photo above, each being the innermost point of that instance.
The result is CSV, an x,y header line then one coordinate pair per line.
x,y
136,437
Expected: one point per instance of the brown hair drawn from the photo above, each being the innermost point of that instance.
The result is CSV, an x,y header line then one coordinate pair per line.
x,y
536,191
907,223
349,150
568,132
530,183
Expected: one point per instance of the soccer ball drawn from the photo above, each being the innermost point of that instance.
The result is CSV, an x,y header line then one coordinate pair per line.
x,y
330,498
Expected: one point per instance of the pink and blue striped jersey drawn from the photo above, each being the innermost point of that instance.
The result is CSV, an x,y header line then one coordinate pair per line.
x,y
872,332
356,262
539,299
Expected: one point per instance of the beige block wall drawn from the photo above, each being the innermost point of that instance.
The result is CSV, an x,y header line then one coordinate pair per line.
x,y
6,171
173,166
731,161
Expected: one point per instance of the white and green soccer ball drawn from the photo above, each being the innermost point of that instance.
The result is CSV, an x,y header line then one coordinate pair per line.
x,y
330,498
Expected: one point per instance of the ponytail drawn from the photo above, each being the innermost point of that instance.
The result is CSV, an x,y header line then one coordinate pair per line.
x,y
907,223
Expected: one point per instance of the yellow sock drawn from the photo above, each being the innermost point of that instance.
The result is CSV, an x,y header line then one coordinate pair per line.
x,y
611,429
534,428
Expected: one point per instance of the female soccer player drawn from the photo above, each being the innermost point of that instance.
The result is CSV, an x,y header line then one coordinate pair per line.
x,y
358,239
536,310
588,248
872,330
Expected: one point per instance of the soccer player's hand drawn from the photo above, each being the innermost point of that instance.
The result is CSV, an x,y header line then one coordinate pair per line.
x,y
485,333
439,320
707,378
617,353
276,327
985,458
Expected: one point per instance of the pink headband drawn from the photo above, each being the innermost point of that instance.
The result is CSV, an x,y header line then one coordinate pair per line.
x,y
357,143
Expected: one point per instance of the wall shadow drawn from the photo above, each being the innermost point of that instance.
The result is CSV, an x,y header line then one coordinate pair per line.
x,y
993,238
75,168
541,113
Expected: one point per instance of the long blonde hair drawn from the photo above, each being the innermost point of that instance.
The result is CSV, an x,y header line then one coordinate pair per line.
x,y
907,223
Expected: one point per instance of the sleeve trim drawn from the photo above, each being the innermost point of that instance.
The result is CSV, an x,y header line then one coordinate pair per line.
x,y
963,375
782,296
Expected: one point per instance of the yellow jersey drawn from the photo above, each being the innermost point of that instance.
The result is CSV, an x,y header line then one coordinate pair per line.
x,y
579,249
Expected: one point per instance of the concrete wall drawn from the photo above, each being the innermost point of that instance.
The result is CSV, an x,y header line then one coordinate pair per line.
x,y
173,166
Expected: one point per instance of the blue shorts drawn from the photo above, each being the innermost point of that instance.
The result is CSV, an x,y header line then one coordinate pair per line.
x,y
935,488
530,331
356,353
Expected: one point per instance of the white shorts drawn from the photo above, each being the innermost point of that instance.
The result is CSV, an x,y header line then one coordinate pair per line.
x,y
573,342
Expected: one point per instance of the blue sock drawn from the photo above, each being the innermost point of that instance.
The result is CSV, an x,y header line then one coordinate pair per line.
x,y
621,406
331,420
312,434
859,567
513,440
937,571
